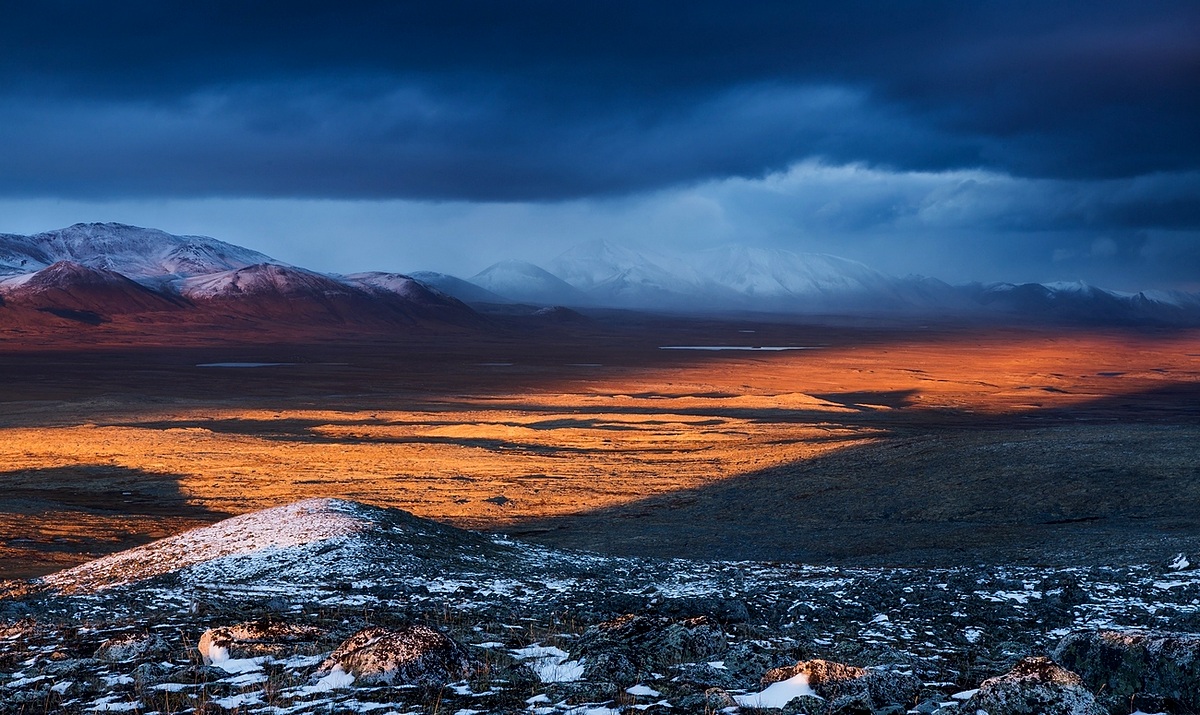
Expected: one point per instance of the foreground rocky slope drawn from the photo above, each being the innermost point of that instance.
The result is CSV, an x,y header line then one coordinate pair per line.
x,y
332,606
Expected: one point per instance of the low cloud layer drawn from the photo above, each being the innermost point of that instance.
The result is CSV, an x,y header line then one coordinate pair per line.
x,y
972,138
960,225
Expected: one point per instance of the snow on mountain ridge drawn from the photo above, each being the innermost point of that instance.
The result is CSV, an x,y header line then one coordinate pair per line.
x,y
395,283
65,285
599,273
596,263
411,291
143,254
114,268
261,279
526,282
458,288
727,277
773,272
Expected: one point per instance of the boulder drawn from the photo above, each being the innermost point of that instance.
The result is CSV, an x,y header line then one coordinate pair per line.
x,y
805,705
625,649
1123,665
740,666
132,646
255,638
712,700
1035,686
412,655
849,689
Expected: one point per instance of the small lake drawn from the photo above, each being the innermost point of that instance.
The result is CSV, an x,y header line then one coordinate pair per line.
x,y
750,348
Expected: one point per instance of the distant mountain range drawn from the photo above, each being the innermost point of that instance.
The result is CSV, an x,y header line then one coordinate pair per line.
x,y
741,278
91,272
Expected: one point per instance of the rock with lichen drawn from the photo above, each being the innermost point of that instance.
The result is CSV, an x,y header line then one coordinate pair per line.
x,y
1035,686
628,647
132,647
412,655
255,638
849,689
1126,664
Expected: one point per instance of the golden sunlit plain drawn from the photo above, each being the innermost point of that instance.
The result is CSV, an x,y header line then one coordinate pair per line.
x,y
584,440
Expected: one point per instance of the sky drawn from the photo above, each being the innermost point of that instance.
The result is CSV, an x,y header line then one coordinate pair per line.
x,y
1017,141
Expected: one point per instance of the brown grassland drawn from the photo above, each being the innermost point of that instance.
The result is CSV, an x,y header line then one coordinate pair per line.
x,y
886,443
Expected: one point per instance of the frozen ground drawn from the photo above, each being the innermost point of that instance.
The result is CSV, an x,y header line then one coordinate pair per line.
x,y
340,566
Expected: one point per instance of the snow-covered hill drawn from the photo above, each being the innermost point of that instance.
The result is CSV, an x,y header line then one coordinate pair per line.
x,y
1077,301
91,272
740,278
414,297
301,543
68,286
144,254
285,292
613,275
526,283
397,284
262,279
465,291
774,273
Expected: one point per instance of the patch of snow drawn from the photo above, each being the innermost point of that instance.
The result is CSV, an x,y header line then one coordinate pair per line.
x,y
337,679
236,701
778,694
642,690
106,705
297,662
1180,563
1021,597
1168,585
240,665
252,677
550,663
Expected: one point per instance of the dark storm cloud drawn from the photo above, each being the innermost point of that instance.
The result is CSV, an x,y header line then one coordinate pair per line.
x,y
552,100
